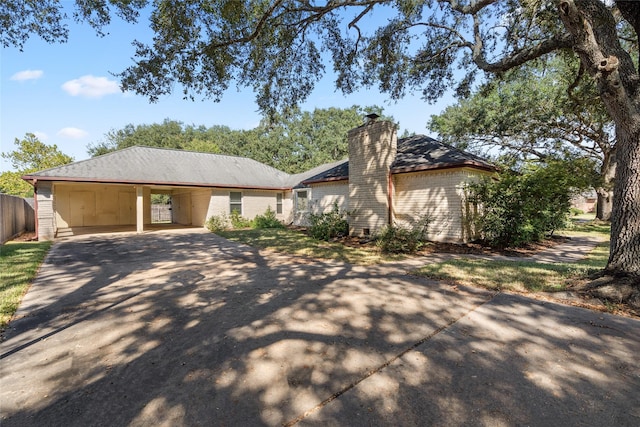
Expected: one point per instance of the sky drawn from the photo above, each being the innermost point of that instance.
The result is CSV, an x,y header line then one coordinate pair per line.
x,y
66,94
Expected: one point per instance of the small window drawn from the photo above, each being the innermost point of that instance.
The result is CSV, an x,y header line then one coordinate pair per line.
x,y
235,202
302,201
279,203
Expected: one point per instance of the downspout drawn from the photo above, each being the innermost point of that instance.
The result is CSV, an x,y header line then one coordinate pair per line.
x,y
35,205
390,199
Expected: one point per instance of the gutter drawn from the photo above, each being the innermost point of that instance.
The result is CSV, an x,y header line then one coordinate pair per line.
x,y
160,183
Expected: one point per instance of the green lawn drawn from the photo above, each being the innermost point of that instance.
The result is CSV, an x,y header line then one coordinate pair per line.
x,y
519,276
19,262
297,243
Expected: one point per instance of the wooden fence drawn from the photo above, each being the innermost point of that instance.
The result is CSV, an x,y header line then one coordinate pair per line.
x,y
16,216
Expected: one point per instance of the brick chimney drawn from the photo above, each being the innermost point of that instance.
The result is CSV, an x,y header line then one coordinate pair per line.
x,y
372,150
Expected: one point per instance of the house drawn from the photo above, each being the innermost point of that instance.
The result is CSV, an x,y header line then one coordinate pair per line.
x,y
385,180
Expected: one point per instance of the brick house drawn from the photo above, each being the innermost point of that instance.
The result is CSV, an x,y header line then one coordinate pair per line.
x,y
384,180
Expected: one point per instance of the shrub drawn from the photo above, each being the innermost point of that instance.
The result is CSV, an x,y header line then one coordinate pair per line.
x,y
238,221
217,223
576,211
267,220
404,239
328,225
519,208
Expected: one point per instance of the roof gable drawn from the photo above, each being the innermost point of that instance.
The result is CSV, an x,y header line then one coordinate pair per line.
x,y
420,152
147,165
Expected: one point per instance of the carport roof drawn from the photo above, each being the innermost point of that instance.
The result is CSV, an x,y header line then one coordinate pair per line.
x,y
159,166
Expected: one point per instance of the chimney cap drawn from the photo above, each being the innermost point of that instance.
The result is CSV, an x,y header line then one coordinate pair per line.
x,y
372,116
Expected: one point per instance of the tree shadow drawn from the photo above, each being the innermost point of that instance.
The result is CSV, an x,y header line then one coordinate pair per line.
x,y
191,329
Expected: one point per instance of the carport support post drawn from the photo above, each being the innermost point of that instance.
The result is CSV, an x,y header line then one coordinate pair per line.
x,y
139,209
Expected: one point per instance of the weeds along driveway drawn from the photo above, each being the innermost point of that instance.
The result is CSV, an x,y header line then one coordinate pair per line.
x,y
186,328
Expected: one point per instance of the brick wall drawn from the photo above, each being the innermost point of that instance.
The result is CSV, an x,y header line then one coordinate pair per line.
x,y
372,149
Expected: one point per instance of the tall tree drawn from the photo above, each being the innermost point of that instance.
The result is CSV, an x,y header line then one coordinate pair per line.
x,y
530,113
276,48
168,134
31,155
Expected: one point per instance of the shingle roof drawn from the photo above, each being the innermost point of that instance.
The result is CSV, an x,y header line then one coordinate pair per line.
x,y
421,152
334,171
415,153
159,166
146,165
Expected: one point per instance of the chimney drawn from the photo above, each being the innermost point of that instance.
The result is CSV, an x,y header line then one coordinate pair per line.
x,y
372,150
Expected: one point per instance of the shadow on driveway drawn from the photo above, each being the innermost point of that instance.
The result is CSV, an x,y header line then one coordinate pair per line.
x,y
186,328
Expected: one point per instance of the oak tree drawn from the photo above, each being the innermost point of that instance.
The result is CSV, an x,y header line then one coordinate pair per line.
x,y
538,112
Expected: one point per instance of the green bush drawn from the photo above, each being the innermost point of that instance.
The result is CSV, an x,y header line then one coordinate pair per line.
x,y
217,223
576,211
404,239
328,225
267,220
520,208
238,221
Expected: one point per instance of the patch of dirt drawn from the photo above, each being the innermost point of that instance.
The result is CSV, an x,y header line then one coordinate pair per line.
x,y
462,248
29,236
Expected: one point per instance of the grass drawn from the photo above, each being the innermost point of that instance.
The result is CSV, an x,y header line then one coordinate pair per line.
x,y
518,276
580,227
297,243
19,262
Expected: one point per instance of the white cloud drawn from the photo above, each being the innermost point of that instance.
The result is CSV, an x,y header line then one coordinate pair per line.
x,y
72,133
25,75
91,87
41,135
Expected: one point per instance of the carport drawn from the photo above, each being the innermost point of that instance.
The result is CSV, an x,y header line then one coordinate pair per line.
x,y
80,207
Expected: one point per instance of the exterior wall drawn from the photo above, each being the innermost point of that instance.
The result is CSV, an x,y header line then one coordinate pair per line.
x,y
287,207
82,205
45,211
372,149
439,194
254,202
324,195
181,206
16,216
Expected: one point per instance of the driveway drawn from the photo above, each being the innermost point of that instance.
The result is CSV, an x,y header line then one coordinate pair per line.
x,y
186,328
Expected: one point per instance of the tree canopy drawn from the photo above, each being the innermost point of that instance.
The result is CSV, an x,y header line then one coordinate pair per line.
x,y
31,155
529,113
294,143
276,48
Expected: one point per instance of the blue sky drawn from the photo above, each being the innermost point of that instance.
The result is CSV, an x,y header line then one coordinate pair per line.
x,y
65,94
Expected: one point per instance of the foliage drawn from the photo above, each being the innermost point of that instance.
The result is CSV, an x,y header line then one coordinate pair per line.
x,y
19,264
30,156
528,113
267,220
404,238
293,143
328,225
217,223
160,199
169,134
238,221
523,207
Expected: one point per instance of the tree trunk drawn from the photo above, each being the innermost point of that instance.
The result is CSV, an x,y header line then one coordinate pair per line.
x,y
624,258
605,191
604,204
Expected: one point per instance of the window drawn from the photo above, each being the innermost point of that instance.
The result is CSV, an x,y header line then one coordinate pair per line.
x,y
279,203
302,201
235,202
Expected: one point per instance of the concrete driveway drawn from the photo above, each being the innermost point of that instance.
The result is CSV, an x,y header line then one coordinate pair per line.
x,y
185,328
